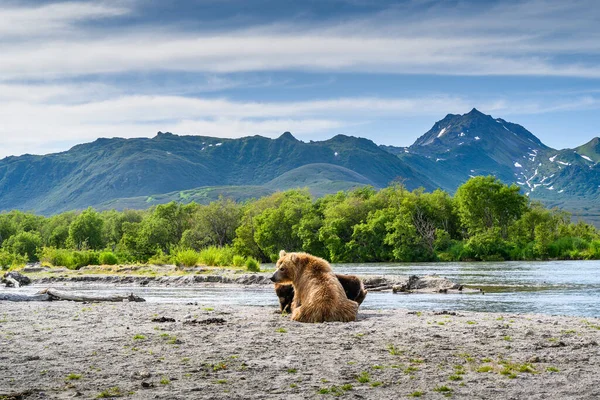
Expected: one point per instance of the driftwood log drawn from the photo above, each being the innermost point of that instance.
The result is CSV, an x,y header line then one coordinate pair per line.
x,y
24,297
54,294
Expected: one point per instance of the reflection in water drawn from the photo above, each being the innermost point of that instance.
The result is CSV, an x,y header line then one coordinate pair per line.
x,y
560,287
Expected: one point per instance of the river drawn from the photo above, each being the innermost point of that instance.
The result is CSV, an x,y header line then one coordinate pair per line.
x,y
556,288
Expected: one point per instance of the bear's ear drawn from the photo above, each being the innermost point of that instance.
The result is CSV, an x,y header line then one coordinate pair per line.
x,y
282,254
294,257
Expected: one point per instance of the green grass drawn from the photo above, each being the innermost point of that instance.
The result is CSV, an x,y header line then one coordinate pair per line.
x,y
110,392
376,384
485,368
394,351
219,366
73,377
363,377
139,336
281,330
417,393
552,369
455,378
442,389
165,381
292,370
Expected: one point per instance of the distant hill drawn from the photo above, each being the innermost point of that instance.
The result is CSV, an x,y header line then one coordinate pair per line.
x,y
106,170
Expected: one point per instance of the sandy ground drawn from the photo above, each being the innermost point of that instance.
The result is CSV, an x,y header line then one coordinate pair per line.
x,y
66,350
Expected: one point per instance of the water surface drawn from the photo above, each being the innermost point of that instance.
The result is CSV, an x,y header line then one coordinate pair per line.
x,y
557,288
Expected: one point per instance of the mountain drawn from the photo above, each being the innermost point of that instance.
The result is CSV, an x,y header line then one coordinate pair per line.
x,y
460,146
105,170
136,173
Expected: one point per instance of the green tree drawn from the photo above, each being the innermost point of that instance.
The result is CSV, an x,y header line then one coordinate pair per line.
x,y
25,244
276,228
86,230
485,203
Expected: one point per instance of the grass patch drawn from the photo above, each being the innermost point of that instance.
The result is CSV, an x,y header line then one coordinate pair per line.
x,y
110,392
219,366
139,336
485,368
455,377
376,384
292,370
363,377
417,393
165,381
393,350
73,377
281,330
552,369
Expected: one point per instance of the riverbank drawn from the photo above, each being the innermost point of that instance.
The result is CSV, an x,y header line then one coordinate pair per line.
x,y
65,349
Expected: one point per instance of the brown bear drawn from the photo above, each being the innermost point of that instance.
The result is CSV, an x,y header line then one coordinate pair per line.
x,y
352,285
319,295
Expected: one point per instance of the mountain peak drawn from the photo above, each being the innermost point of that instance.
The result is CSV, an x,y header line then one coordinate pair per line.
x,y
475,111
287,136
458,132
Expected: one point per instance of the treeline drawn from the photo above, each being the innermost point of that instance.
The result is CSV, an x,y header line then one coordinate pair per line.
x,y
485,220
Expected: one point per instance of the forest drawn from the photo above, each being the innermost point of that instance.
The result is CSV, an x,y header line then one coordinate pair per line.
x,y
485,220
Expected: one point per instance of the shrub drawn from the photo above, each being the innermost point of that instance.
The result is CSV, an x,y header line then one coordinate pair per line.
x,y
187,258
84,258
160,258
217,256
25,243
252,265
108,258
8,260
57,257
238,261
225,256
209,256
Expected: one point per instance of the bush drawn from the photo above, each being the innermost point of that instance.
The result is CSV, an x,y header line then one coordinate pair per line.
x,y
238,261
25,244
57,257
187,258
217,256
84,258
8,260
108,258
161,258
209,256
225,257
252,265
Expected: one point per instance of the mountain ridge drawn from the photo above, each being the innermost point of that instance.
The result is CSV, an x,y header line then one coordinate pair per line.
x,y
142,171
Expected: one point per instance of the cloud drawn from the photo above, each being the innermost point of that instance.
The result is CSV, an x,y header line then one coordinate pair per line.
x,y
525,38
53,19
43,118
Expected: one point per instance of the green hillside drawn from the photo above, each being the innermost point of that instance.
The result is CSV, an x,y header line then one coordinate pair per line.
x,y
97,173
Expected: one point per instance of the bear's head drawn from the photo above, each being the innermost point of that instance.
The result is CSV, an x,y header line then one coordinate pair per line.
x,y
287,267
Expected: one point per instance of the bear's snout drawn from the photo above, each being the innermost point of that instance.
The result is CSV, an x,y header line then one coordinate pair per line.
x,y
273,278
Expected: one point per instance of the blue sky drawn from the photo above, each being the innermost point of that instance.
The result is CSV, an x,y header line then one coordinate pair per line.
x,y
385,70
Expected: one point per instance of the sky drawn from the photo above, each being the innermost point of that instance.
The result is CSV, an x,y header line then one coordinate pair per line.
x,y
71,72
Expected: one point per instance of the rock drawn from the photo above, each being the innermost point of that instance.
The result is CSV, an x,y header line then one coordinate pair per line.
x,y
15,279
429,282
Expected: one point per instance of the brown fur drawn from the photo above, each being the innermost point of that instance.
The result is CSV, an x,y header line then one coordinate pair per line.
x,y
352,285
319,295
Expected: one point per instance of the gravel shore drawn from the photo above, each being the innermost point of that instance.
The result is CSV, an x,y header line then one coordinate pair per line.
x,y
65,350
